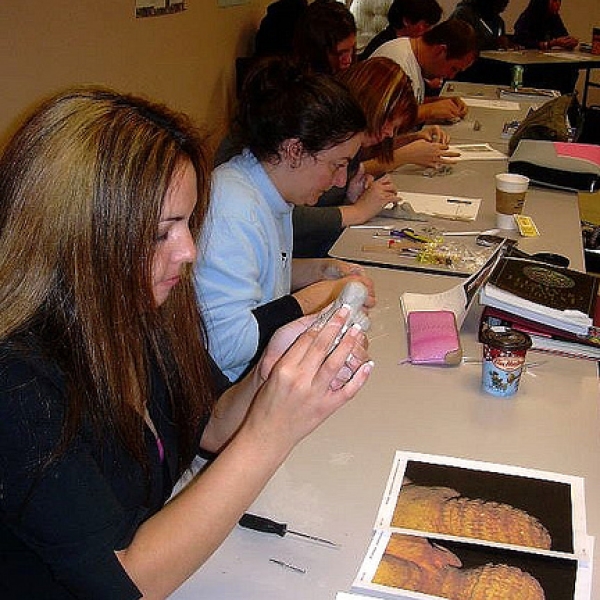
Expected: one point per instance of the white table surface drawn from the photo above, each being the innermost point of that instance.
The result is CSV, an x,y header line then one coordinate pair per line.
x,y
543,57
332,484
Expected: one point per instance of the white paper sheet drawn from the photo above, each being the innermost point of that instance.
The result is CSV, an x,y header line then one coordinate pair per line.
x,y
495,104
476,152
555,501
455,208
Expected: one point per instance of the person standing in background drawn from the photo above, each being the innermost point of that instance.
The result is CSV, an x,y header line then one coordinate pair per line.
x,y
276,30
406,18
485,18
541,27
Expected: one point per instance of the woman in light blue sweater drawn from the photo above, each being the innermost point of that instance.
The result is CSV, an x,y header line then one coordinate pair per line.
x,y
299,132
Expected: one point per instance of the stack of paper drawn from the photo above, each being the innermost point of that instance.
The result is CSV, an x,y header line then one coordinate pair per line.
x,y
454,208
455,528
533,94
476,152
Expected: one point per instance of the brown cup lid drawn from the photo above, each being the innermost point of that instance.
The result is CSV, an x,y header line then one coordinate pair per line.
x,y
504,338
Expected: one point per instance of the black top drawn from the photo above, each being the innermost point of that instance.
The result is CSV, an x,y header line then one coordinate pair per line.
x,y
488,25
60,526
530,29
276,30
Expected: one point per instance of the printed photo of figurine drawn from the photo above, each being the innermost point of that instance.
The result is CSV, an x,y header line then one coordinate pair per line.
x,y
483,505
460,571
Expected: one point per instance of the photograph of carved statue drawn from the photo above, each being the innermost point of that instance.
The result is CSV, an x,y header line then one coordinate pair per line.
x,y
415,563
462,530
483,505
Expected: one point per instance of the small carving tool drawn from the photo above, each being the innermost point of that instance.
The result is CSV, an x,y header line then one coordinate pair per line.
x,y
250,521
288,565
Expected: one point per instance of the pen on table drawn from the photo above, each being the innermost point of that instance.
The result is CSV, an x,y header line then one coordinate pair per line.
x,y
250,521
484,232
454,218
487,27
458,201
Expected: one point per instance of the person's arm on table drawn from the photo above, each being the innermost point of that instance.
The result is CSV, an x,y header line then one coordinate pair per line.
x,y
567,42
317,282
432,133
442,109
427,148
367,202
294,399
424,153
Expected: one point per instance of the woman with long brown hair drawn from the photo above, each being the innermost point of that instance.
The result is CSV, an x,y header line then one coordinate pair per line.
x,y
107,391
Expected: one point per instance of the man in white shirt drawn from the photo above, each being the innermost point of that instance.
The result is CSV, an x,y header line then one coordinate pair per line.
x,y
442,52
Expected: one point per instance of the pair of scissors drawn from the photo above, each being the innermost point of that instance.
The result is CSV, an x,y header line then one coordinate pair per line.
x,y
411,234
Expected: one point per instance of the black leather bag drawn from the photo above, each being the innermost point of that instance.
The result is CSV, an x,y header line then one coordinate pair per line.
x,y
550,123
590,127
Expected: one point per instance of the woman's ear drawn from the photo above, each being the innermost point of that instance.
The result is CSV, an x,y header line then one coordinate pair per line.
x,y
291,151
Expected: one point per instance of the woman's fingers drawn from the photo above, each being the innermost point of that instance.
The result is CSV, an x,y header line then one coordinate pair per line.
x,y
325,353
341,363
311,381
357,357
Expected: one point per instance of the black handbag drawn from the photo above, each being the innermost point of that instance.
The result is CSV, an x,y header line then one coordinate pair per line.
x,y
550,123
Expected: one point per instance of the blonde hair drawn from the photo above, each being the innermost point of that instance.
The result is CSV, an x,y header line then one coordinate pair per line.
x,y
82,184
384,92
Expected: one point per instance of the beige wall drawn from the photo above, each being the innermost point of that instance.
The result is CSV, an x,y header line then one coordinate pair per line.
x,y
185,60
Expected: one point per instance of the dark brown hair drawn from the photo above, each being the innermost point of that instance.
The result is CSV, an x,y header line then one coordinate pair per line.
x,y
280,101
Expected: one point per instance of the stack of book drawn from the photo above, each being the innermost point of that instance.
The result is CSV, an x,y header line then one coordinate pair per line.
x,y
556,306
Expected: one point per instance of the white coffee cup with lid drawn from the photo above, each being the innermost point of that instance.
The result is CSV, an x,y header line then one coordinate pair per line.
x,y
511,189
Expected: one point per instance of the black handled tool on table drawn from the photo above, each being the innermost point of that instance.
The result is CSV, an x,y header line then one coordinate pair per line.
x,y
250,521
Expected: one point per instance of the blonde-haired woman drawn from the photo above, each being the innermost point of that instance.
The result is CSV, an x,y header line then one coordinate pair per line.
x,y
382,89
106,389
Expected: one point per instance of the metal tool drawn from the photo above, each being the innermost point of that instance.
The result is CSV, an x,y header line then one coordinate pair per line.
x,y
288,565
406,233
250,521
384,227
